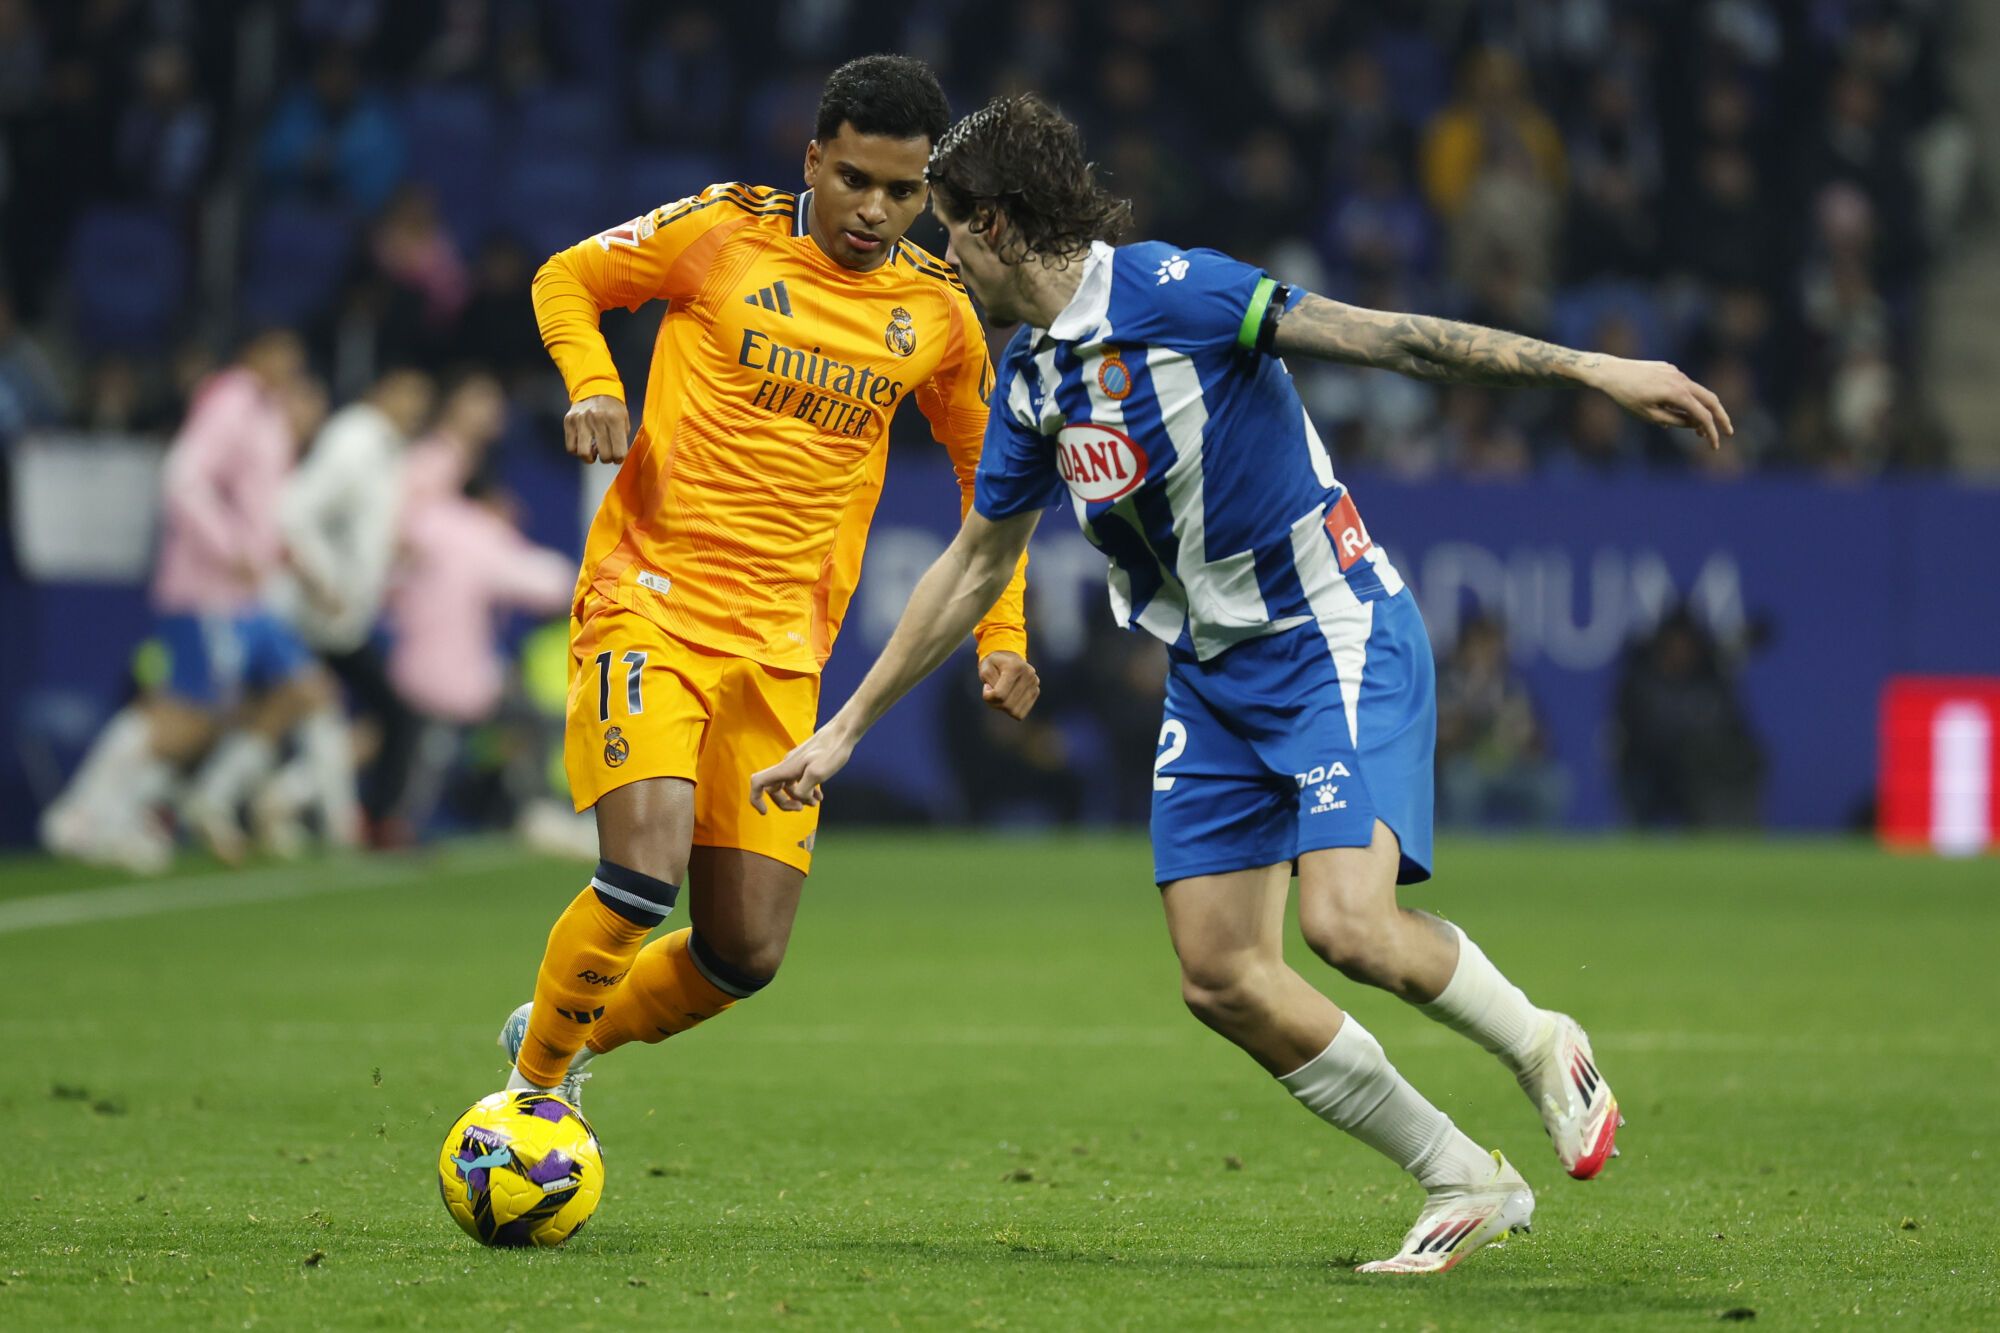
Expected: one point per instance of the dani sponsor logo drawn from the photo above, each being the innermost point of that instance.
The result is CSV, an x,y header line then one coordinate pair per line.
x,y
1098,463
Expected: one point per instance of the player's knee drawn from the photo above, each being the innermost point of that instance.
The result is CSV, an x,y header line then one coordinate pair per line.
x,y
651,853
1353,942
742,969
1224,994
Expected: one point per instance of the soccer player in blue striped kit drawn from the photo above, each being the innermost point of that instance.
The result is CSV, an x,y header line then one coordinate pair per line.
x,y
1300,718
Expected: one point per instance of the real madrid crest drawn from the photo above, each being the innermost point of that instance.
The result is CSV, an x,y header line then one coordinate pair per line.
x,y
616,748
1114,376
901,335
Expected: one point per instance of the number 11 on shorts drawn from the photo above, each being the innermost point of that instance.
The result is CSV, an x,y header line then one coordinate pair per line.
x,y
1173,739
635,671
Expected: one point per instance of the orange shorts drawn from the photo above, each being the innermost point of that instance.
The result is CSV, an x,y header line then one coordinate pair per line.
x,y
644,704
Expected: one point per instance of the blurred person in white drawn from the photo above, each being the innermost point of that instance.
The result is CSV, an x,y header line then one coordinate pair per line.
x,y
339,515
237,678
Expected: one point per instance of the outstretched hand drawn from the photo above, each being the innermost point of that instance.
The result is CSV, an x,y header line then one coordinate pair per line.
x,y
793,783
1658,392
1009,684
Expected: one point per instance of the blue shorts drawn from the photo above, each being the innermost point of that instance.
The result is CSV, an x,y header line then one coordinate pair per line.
x,y
213,660
1299,741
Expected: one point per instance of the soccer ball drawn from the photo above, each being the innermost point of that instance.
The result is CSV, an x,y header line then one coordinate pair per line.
x,y
521,1168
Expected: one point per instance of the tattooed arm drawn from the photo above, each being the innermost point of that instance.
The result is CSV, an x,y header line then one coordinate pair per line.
x,y
1441,349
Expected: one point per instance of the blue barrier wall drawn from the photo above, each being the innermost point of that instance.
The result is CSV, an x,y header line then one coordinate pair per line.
x,y
1857,582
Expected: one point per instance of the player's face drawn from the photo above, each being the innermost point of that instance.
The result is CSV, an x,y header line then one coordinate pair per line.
x,y
984,273
867,190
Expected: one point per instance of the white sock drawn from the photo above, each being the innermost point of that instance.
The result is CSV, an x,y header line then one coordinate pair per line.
x,y
1481,1004
327,752
120,773
238,765
1352,1086
291,788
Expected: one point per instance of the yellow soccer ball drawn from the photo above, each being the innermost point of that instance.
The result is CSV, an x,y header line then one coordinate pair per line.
x,y
521,1168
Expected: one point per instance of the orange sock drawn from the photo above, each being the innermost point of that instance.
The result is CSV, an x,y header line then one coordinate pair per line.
x,y
591,947
667,991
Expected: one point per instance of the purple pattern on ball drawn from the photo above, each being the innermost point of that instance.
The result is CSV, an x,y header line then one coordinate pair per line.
x,y
549,1109
556,1166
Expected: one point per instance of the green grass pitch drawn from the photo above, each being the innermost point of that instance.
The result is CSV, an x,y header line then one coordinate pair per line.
x,y
973,1100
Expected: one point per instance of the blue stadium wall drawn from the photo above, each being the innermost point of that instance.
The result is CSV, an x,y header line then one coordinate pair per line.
x,y
1854,582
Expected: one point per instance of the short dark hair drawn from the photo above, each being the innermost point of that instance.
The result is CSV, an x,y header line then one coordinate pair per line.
x,y
1020,156
896,96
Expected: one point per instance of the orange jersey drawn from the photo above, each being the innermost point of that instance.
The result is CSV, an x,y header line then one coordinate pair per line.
x,y
737,520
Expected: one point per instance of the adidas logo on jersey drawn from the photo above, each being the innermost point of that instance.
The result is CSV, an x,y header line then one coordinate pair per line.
x,y
773,297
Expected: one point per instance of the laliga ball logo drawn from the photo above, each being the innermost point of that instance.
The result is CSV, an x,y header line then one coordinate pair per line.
x,y
1097,463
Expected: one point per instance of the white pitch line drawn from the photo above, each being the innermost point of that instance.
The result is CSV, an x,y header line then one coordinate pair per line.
x,y
250,1031
228,888
1630,1042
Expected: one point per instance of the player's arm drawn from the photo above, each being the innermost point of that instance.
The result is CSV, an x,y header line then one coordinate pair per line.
x,y
629,265
570,292
954,401
1443,349
949,600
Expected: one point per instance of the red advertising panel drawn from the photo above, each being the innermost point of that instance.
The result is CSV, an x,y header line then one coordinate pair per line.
x,y
1939,784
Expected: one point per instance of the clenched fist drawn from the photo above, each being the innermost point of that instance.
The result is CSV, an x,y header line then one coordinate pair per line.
x,y
596,429
1009,684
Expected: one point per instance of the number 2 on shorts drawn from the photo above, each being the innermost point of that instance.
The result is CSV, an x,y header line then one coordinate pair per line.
x,y
1173,736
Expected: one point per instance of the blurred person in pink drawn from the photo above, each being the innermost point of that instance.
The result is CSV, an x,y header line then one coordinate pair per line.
x,y
472,416
463,563
230,660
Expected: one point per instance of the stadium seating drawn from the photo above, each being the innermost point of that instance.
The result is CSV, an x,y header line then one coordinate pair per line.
x,y
298,256
454,147
128,271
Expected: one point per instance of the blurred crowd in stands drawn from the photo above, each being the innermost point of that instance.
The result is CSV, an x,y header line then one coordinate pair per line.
x,y
1752,188
337,205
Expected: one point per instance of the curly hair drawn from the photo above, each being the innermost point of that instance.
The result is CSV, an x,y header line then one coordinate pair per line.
x,y
1020,156
897,96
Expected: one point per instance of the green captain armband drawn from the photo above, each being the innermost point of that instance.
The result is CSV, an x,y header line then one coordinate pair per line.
x,y
1260,317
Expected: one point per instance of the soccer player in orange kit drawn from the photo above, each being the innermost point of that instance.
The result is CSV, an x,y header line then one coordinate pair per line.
x,y
723,557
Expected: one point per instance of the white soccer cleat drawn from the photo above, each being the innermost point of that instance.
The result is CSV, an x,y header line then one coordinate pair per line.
x,y
1577,1107
515,1031
219,828
1458,1219
275,823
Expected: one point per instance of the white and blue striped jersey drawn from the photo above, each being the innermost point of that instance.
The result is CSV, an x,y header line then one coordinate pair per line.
x,y
1186,449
